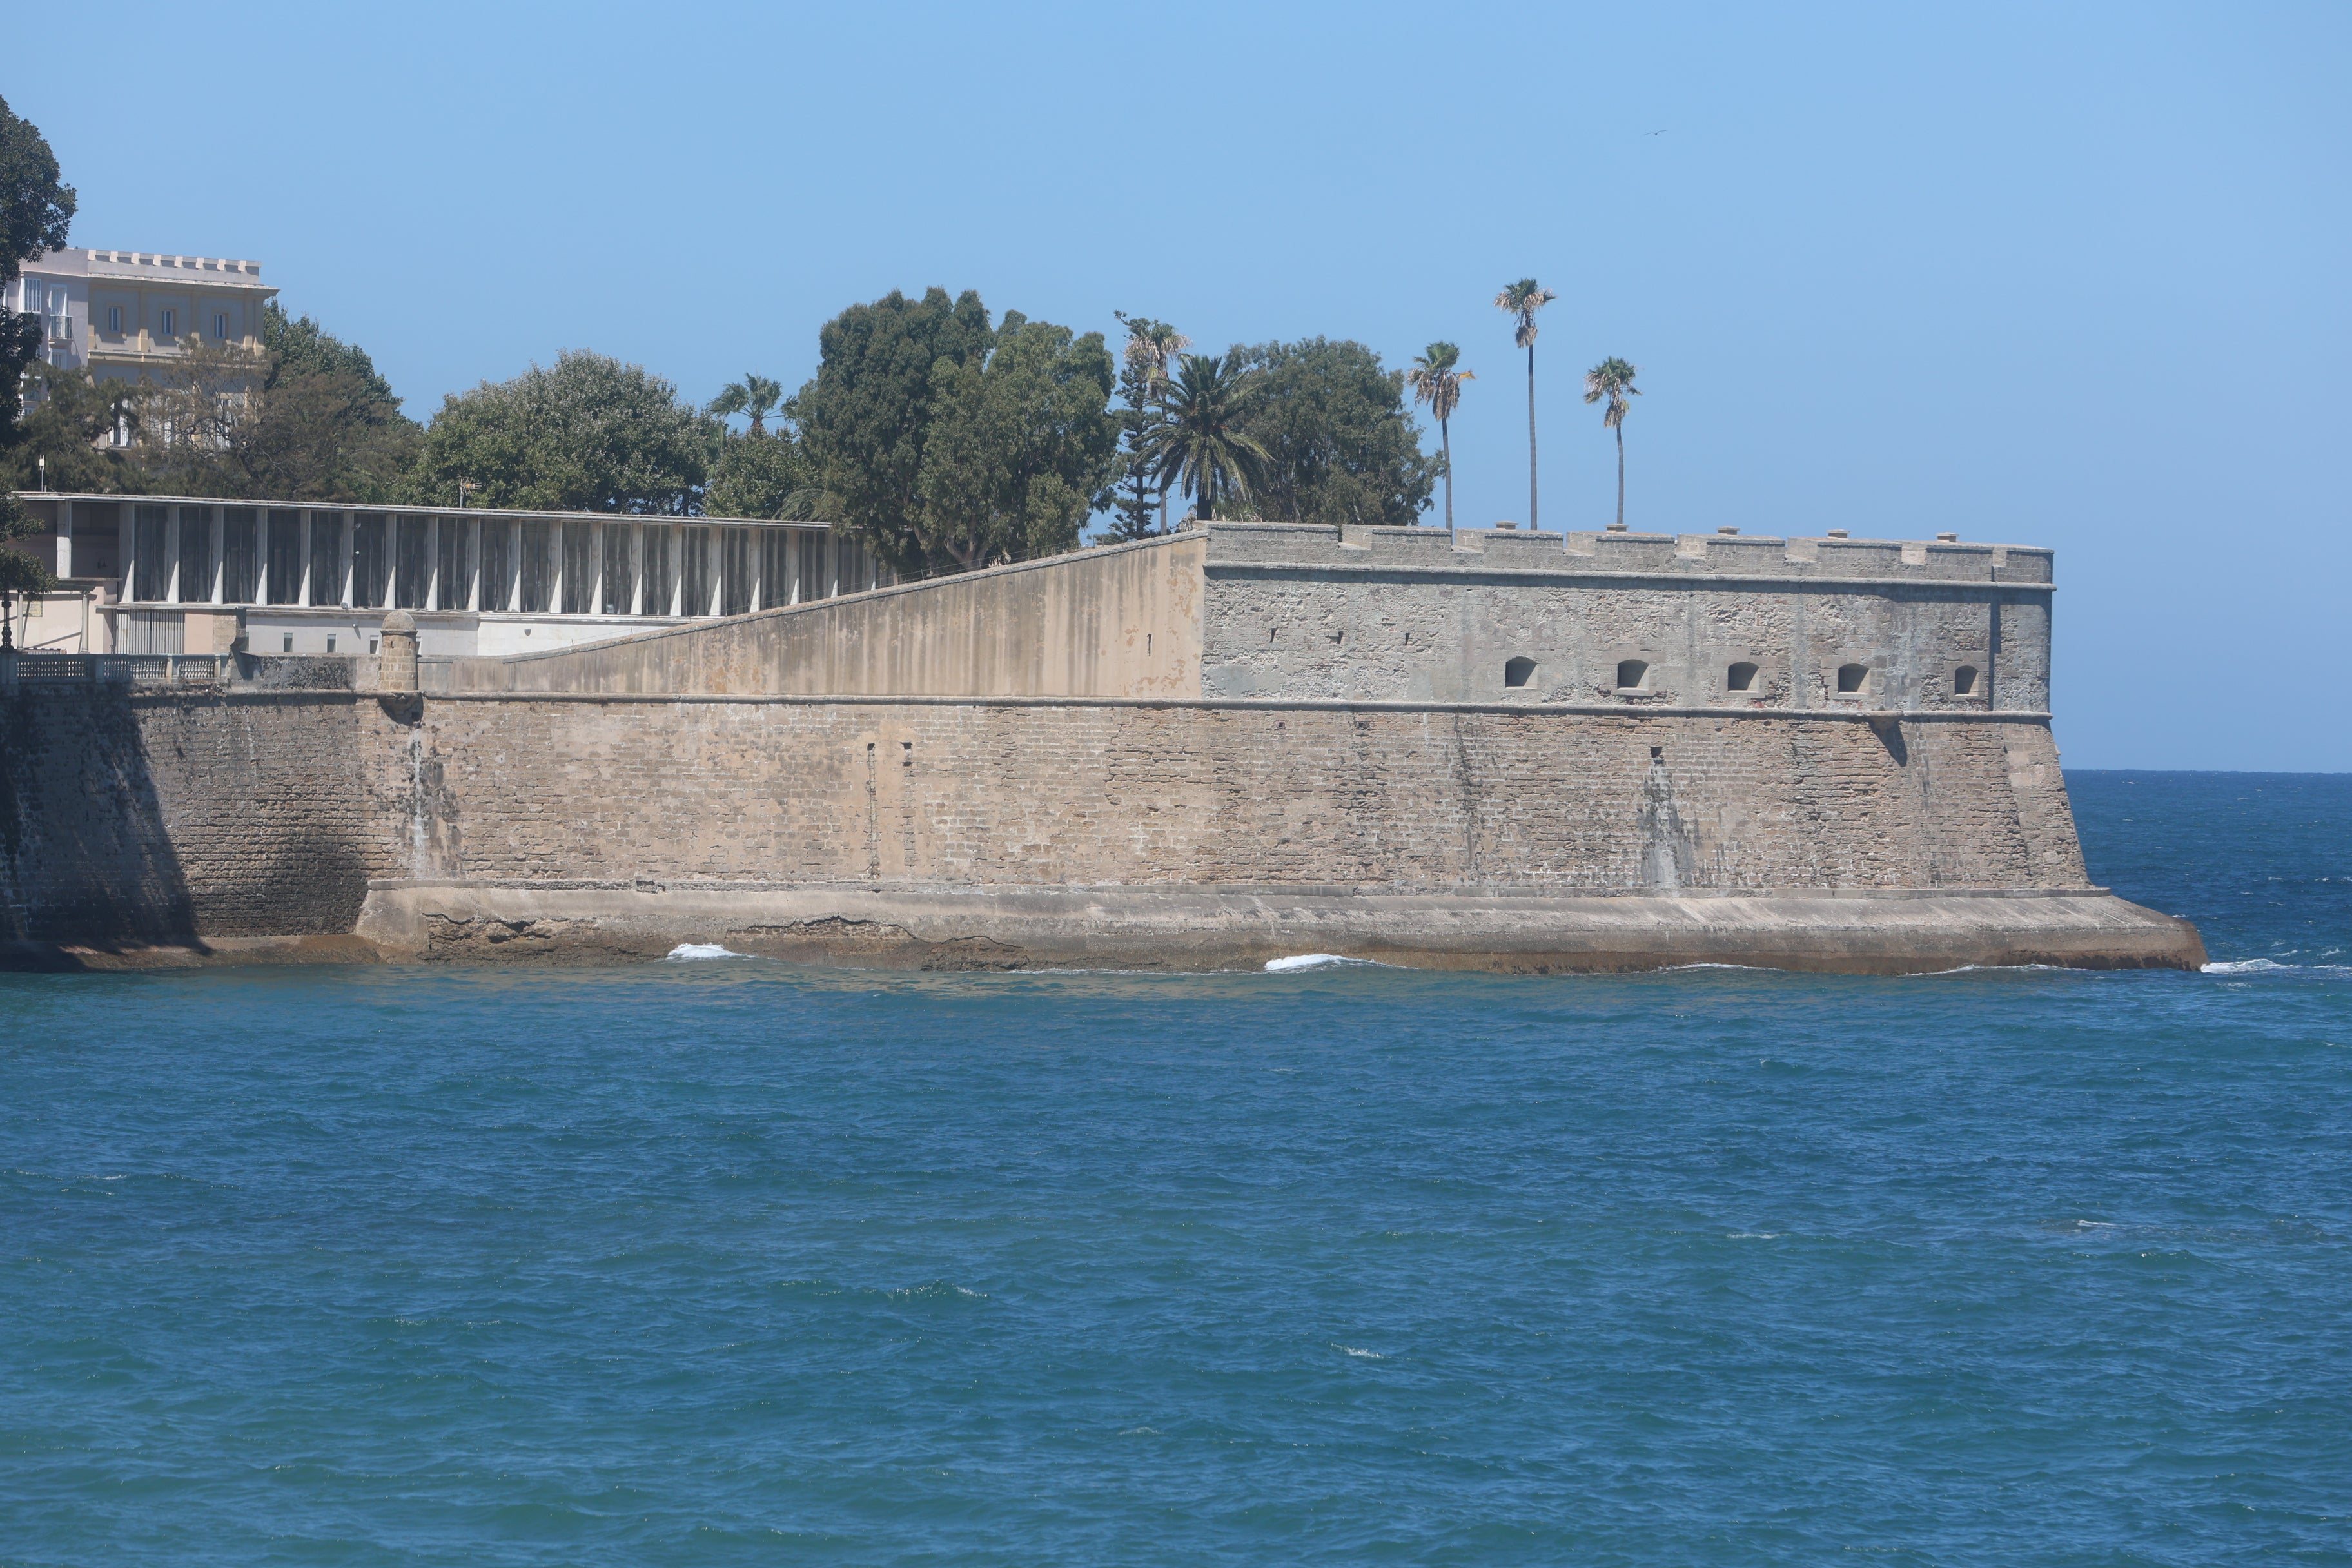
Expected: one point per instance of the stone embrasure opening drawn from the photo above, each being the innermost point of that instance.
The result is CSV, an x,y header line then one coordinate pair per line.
x,y
1852,676
1964,680
1519,672
1632,673
1741,676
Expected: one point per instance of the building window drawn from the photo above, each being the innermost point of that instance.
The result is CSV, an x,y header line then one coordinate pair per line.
x,y
220,327
1741,676
168,324
1851,676
1964,680
1631,673
1519,672
114,320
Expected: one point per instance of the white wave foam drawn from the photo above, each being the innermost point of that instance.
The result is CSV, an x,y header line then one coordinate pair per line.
x,y
1317,961
691,950
1350,1350
2248,966
1754,1236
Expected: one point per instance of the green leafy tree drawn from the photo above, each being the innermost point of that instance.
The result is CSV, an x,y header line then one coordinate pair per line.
x,y
1339,440
754,396
1436,381
1201,441
1142,377
585,434
948,444
865,417
764,475
1611,382
37,209
1521,300
1132,508
310,419
1019,443
298,346
67,438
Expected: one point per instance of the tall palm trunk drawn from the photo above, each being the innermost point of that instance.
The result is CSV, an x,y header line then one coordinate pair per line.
x,y
1446,439
1531,437
1620,473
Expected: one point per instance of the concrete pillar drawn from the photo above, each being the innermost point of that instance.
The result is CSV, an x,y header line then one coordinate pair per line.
x,y
302,555
125,538
343,555
218,534
431,526
637,568
397,652
65,539
472,582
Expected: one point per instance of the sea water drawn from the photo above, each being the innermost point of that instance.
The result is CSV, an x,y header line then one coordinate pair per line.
x,y
723,1261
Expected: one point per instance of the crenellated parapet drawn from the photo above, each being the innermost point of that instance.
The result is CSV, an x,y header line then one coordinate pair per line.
x,y
1631,621
1485,552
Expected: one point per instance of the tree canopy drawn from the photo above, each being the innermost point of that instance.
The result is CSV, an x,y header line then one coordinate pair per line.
x,y
761,474
1340,441
37,208
1021,442
585,434
946,442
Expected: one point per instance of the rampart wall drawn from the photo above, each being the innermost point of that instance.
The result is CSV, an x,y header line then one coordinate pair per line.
x,y
1402,615
680,786
1118,622
1007,794
1393,615
133,817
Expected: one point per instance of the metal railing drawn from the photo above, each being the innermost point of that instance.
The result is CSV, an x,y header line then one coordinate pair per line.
x,y
19,670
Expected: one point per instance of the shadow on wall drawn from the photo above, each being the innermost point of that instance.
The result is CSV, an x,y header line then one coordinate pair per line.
x,y
85,855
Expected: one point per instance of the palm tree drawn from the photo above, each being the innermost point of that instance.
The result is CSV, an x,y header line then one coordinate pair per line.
x,y
1199,439
754,394
1613,379
1436,382
1523,300
1151,347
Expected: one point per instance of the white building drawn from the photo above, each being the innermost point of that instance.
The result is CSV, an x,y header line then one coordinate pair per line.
x,y
119,312
184,575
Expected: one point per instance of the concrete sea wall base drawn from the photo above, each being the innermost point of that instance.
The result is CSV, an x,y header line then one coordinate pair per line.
x,y
1165,928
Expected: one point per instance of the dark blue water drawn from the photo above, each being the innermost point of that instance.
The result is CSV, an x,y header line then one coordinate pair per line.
x,y
734,1263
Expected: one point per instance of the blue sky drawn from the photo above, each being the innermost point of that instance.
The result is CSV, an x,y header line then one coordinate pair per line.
x,y
2058,275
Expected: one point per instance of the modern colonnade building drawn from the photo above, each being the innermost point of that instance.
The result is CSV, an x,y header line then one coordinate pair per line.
x,y
184,575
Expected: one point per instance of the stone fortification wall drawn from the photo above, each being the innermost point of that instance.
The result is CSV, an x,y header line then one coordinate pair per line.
x,y
1004,795
1391,614
1123,621
791,780
1407,615
134,816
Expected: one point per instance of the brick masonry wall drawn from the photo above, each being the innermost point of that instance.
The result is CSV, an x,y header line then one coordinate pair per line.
x,y
1012,794
141,817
